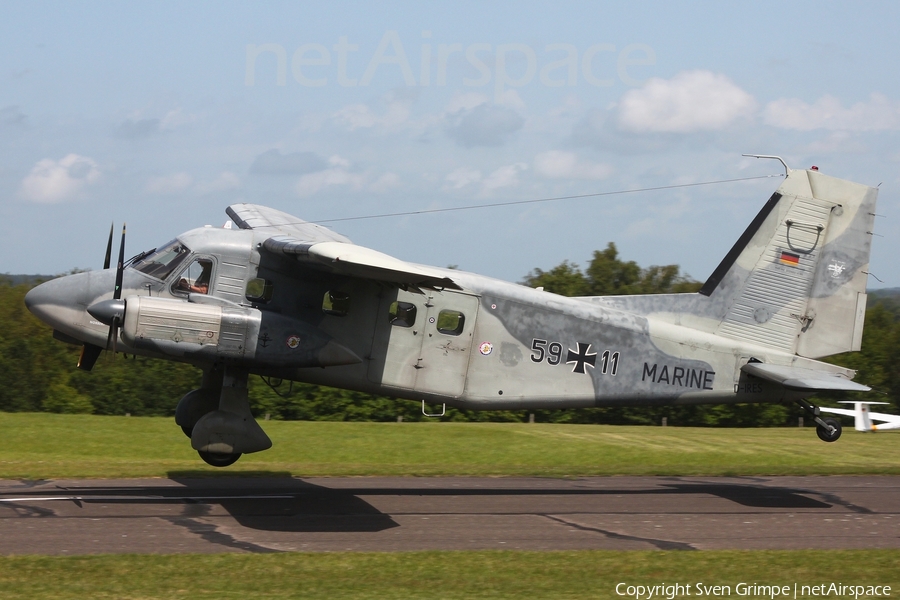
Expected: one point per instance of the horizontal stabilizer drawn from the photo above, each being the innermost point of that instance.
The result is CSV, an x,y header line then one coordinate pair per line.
x,y
800,378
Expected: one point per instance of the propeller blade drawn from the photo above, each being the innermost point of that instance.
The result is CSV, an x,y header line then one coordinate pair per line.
x,y
108,247
89,355
109,335
120,267
115,334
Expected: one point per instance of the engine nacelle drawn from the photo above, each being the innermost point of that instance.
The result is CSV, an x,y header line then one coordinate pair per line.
x,y
240,334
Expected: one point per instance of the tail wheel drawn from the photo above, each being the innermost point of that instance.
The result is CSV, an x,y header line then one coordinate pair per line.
x,y
829,436
218,459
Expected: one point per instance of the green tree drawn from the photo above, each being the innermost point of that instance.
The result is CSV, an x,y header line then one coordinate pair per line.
x,y
608,275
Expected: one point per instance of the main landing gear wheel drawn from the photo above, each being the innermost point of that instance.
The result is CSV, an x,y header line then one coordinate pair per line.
x,y
218,459
188,431
828,430
827,435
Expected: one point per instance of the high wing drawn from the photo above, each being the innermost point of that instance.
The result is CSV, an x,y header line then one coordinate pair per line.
x,y
800,378
322,248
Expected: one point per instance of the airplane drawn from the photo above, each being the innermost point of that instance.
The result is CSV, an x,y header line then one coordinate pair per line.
x,y
863,417
287,299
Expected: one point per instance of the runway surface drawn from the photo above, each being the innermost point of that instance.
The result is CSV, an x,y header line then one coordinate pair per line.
x,y
389,514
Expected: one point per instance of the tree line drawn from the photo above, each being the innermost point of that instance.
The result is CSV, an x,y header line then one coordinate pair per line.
x,y
37,373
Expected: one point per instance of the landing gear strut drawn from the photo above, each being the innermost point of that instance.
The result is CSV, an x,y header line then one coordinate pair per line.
x,y
221,425
828,430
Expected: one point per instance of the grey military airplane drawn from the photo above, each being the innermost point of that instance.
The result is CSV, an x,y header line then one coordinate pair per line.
x,y
292,300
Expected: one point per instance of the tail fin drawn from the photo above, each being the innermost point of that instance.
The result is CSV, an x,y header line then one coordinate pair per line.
x,y
796,279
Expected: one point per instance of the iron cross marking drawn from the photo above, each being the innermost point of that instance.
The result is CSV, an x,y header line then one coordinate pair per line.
x,y
582,357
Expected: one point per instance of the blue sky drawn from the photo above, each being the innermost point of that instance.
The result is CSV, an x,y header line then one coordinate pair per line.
x,y
161,115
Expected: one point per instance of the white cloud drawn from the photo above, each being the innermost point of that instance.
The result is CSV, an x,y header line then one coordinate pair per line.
x,y
337,174
556,164
52,181
224,182
356,116
273,162
843,142
316,182
878,114
484,125
176,118
511,99
169,184
397,110
466,101
570,106
177,183
462,177
506,176
386,182
338,161
690,101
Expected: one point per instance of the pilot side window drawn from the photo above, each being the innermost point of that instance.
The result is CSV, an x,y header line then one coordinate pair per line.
x,y
450,322
336,303
195,279
402,314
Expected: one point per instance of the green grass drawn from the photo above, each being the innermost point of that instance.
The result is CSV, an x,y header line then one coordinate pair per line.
x,y
45,446
408,575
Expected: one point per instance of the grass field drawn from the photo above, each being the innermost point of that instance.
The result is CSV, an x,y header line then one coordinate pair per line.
x,y
431,575
47,446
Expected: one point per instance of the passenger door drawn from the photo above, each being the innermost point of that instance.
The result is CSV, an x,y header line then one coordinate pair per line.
x,y
423,342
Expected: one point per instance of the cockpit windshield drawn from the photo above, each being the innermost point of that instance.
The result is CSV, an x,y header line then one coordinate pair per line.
x,y
161,263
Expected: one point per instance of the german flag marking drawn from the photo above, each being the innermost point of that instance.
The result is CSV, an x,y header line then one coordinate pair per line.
x,y
787,258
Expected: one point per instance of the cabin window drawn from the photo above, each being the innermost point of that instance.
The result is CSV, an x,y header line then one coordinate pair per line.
x,y
450,322
402,314
161,263
336,303
195,279
259,290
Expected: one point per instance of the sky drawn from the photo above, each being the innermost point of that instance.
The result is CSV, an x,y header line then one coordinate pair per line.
x,y
162,114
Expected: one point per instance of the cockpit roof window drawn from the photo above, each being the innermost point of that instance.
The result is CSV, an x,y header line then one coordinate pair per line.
x,y
161,263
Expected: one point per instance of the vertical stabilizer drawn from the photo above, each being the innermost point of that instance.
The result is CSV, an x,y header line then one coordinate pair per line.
x,y
862,422
796,278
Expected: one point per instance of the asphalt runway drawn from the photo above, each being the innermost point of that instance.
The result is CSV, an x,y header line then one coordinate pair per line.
x,y
225,514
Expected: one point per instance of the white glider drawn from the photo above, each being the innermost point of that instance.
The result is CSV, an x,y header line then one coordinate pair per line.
x,y
863,419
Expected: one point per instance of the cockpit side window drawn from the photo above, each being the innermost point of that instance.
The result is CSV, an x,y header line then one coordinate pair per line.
x,y
163,262
195,279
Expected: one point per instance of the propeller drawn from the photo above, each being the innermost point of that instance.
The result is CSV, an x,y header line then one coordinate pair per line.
x,y
108,247
111,312
90,352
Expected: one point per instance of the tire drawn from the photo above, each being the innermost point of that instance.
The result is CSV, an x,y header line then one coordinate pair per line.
x,y
217,459
188,431
827,436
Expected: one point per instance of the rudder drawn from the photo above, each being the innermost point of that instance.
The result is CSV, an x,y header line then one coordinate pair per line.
x,y
796,279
